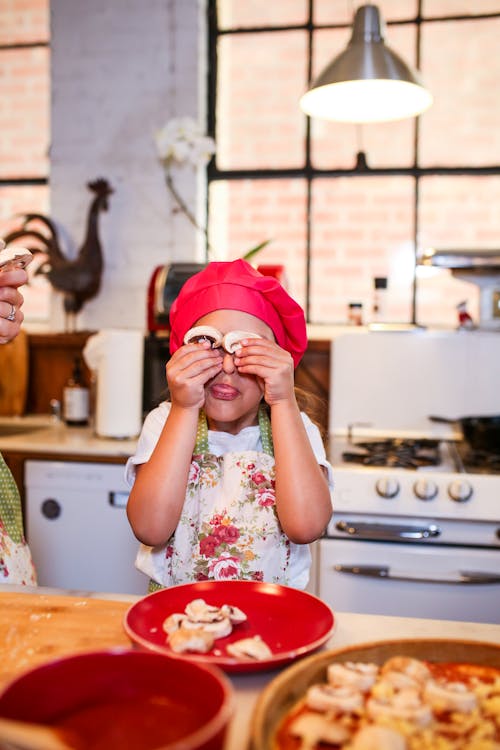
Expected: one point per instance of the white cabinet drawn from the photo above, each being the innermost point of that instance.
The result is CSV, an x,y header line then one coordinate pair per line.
x,y
77,528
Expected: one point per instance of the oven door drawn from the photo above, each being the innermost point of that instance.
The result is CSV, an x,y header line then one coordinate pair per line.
x,y
410,580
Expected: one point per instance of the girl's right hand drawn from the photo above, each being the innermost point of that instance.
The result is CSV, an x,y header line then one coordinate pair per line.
x,y
188,369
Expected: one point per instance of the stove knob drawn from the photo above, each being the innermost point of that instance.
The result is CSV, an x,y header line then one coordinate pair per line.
x,y
425,490
387,487
460,491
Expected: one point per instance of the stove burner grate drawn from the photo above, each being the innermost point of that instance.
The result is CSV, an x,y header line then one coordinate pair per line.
x,y
481,462
395,453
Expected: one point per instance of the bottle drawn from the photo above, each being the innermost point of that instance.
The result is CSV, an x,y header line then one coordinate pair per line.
x,y
355,314
76,398
379,298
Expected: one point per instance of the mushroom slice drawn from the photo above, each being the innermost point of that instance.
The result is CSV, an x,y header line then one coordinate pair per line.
x,y
358,675
198,334
235,614
449,696
199,611
338,700
232,339
218,629
197,640
173,622
313,728
253,648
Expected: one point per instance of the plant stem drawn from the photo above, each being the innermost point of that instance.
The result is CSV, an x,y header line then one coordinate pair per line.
x,y
186,211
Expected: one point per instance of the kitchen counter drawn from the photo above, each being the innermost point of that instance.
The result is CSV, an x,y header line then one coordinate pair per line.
x,y
37,625
44,434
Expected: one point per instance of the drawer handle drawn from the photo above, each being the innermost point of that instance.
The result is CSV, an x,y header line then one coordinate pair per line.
x,y
387,531
383,571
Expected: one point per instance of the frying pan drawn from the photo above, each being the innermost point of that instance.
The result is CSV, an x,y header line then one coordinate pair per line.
x,y
481,432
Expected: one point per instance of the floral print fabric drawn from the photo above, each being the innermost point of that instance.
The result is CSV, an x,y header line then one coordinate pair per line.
x,y
16,565
229,527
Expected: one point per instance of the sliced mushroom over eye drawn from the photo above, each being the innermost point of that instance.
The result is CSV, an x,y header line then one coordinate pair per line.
x,y
198,334
233,338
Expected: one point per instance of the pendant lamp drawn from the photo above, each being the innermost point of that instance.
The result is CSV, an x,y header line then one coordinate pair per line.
x,y
367,82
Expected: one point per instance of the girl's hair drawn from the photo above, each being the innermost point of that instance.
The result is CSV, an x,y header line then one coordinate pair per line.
x,y
314,406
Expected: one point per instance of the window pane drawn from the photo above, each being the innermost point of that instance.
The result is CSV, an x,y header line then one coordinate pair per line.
x,y
27,199
24,112
361,229
244,213
388,144
458,7
463,125
454,212
328,12
24,22
233,14
261,78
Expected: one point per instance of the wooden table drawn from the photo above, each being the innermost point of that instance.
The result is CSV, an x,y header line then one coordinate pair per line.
x,y
37,625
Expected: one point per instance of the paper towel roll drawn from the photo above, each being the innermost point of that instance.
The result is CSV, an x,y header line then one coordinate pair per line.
x,y
117,358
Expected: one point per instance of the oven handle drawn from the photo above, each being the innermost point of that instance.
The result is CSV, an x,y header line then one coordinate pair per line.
x,y
383,571
387,531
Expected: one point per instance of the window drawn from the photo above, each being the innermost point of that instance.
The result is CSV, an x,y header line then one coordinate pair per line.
x,y
335,225
24,124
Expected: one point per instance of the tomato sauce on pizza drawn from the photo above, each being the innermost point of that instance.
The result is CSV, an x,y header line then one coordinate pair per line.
x,y
403,704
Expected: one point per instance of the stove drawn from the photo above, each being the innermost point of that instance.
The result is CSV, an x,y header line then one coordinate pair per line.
x,y
416,525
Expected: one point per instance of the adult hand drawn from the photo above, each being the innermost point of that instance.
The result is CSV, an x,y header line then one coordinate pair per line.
x,y
11,300
189,368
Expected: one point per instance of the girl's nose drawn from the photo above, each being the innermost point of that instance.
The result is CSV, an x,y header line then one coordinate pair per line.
x,y
228,362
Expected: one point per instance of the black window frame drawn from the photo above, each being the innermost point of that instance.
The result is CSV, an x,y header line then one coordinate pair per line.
x,y
310,173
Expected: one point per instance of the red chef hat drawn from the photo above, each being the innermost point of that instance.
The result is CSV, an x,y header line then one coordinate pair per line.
x,y
236,285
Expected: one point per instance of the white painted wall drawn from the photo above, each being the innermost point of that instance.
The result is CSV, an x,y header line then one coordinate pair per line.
x,y
120,69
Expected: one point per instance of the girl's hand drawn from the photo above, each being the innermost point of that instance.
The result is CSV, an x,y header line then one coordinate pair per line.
x,y
272,365
189,368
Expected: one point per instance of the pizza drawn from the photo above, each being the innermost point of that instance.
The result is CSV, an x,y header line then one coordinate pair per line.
x,y
403,704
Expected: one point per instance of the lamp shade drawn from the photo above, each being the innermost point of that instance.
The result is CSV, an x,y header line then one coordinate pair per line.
x,y
367,82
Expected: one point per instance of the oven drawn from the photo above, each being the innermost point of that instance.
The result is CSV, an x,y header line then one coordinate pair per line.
x,y
416,525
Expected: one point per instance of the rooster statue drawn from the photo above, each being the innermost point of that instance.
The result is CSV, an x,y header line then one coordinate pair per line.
x,y
78,279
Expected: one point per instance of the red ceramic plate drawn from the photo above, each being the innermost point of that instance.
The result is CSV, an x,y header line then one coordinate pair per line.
x,y
291,622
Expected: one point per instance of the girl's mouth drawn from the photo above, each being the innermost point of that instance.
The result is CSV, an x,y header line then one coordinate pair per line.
x,y
223,392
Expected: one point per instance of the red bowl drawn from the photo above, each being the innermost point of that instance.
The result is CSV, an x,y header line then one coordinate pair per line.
x,y
125,698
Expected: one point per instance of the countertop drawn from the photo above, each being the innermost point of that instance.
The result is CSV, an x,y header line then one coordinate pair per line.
x,y
43,434
39,624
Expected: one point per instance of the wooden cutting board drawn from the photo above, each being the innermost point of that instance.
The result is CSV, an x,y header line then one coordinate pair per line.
x,y
35,628
14,376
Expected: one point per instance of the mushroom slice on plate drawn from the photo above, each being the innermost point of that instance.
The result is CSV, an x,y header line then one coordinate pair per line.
x,y
197,640
235,614
198,334
253,648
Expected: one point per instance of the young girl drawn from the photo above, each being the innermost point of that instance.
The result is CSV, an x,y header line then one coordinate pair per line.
x,y
231,479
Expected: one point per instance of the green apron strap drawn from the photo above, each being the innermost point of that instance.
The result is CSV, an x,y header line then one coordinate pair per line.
x,y
265,431
10,504
201,445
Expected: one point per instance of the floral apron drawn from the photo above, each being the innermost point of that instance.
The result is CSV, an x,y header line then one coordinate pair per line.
x,y
229,527
16,565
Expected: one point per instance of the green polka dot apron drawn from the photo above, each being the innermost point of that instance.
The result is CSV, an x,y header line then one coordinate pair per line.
x,y
229,527
16,565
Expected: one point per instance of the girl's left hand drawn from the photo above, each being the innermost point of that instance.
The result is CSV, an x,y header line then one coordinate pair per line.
x,y
272,365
